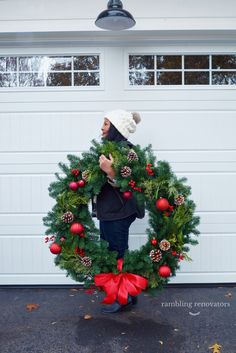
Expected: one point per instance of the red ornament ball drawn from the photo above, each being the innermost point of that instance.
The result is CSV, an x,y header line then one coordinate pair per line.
x,y
73,186
127,195
167,214
75,172
76,228
81,183
79,251
154,242
76,249
55,248
162,204
164,271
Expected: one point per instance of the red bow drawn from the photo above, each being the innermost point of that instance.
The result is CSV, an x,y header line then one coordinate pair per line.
x,y
119,286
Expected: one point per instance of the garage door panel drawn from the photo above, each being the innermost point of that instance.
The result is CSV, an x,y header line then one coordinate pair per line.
x,y
36,279
31,224
211,193
168,105
208,251
27,255
60,132
25,193
210,223
188,130
49,132
180,161
99,96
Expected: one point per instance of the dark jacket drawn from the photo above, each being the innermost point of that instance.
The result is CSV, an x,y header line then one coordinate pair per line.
x,y
111,205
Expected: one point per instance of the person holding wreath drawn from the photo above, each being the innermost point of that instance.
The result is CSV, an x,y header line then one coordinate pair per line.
x,y
126,180
114,212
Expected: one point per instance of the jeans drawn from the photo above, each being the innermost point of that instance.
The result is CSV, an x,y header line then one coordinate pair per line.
x,y
116,233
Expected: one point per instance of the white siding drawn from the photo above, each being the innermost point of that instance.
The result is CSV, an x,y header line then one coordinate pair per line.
x,y
192,128
78,15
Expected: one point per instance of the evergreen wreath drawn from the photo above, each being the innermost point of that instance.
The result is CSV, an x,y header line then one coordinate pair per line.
x,y
75,238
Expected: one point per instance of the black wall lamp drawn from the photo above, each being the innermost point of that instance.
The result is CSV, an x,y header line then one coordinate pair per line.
x,y
115,18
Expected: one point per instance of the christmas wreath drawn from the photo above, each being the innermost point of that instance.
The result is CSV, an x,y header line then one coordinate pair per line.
x,y
73,235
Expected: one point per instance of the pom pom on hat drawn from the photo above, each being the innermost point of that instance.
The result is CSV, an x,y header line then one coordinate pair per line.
x,y
136,117
125,122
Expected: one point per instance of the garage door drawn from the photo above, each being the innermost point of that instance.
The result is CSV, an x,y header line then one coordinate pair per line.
x,y
52,104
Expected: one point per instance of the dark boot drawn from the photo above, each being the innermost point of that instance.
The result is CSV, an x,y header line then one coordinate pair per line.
x,y
117,307
134,300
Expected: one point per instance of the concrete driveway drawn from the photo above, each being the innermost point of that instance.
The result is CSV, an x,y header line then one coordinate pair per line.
x,y
177,320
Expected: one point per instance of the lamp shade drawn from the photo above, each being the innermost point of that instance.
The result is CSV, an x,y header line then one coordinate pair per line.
x,y
115,18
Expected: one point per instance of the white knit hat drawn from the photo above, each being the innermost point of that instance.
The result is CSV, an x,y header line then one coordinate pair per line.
x,y
125,122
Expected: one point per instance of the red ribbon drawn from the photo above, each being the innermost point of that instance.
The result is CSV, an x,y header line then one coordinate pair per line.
x,y
119,286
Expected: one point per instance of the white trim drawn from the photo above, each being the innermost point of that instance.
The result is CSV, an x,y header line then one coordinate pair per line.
x,y
62,279
76,39
142,24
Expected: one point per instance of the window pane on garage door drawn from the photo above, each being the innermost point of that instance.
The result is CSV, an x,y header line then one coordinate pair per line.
x,y
53,71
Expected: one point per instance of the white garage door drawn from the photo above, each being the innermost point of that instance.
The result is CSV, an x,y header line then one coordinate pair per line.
x,y
188,115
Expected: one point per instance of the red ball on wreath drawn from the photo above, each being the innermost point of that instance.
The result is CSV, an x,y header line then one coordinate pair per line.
x,y
162,204
154,242
76,228
55,248
81,183
164,271
127,195
75,172
73,186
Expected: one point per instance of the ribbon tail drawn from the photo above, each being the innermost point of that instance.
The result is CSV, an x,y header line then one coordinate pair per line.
x,y
130,284
137,281
110,284
122,294
111,289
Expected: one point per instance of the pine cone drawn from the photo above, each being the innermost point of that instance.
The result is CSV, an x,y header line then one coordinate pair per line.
x,y
155,255
126,172
179,200
132,156
67,217
85,175
164,245
86,261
